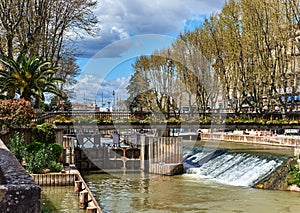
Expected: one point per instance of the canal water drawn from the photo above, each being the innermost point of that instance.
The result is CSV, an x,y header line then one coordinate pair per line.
x,y
219,183
60,199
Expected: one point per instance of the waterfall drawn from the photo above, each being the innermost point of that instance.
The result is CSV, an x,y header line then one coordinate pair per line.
x,y
239,169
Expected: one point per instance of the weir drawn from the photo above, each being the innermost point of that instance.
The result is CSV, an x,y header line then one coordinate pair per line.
x,y
240,169
164,155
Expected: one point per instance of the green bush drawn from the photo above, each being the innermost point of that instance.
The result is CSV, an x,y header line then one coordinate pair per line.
x,y
39,160
55,166
56,149
17,146
44,133
34,147
294,175
46,209
41,156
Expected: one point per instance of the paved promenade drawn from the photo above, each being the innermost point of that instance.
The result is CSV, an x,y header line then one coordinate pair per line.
x,y
255,137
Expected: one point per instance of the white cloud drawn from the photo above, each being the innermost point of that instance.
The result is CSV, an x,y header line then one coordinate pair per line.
x,y
92,87
120,19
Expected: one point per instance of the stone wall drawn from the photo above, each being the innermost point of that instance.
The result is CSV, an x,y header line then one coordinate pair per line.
x,y
18,191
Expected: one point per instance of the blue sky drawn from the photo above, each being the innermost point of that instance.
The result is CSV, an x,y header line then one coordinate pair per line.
x,y
129,29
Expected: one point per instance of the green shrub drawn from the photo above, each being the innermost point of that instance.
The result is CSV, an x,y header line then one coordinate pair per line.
x,y
56,149
17,146
294,175
34,147
39,160
46,209
44,133
55,166
42,156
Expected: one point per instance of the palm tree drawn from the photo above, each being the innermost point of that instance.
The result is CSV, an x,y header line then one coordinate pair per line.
x,y
30,78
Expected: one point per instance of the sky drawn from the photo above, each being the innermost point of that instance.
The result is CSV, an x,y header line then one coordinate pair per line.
x,y
127,30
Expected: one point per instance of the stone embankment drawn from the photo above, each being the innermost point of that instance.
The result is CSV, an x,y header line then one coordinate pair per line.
x,y
279,179
18,191
253,137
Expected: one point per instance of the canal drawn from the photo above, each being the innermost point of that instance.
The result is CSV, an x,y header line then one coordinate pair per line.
x,y
60,199
129,191
187,193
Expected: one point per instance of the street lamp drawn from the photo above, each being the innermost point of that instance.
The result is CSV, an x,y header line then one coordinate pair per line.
x,y
114,100
108,102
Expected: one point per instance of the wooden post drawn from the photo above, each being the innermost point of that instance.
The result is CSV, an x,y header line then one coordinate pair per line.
x,y
154,151
78,186
167,153
174,149
180,151
150,152
83,199
158,148
142,138
91,209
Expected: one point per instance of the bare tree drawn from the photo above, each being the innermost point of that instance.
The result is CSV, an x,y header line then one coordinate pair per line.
x,y
196,71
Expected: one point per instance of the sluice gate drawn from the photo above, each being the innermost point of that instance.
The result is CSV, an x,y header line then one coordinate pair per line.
x,y
158,155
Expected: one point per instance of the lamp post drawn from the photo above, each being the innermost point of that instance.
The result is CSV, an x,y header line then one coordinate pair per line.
x,y
108,102
114,101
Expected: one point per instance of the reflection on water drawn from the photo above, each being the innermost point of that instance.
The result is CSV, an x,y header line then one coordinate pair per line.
x,y
60,199
186,193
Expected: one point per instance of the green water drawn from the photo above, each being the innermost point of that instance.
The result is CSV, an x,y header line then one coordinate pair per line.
x,y
127,192
60,199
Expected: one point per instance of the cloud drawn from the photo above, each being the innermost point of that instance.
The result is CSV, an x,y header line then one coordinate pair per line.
x,y
120,19
116,48
93,87
129,28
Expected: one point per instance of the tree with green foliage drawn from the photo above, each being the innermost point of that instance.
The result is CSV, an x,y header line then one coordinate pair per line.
x,y
29,77
254,49
195,71
46,28
153,85
249,52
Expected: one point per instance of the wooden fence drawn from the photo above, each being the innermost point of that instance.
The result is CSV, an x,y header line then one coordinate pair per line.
x,y
55,179
71,178
26,132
